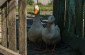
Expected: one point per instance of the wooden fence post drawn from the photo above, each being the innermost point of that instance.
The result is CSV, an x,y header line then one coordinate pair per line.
x,y
70,15
22,27
4,25
79,17
58,12
12,24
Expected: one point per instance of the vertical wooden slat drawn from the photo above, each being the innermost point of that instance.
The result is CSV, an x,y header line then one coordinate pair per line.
x,y
12,25
22,27
79,17
84,18
58,12
4,25
70,15
65,14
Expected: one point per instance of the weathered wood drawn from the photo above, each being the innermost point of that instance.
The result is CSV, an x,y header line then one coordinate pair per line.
x,y
22,27
4,26
65,14
58,12
70,15
84,18
79,17
2,2
12,25
6,51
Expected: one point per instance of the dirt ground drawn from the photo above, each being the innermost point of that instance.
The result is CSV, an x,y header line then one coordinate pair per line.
x,y
62,49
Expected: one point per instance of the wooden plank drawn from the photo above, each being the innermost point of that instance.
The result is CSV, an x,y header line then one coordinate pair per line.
x,y
65,14
2,2
6,51
79,18
22,27
4,26
58,12
70,16
12,25
84,19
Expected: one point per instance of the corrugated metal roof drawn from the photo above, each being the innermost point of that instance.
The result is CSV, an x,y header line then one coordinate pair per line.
x,y
2,2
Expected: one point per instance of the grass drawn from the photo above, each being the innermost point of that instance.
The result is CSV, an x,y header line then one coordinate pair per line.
x,y
30,8
45,9
42,8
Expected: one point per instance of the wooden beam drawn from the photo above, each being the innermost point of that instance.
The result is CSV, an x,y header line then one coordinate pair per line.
x,y
79,18
2,2
6,51
4,25
12,25
22,27
58,12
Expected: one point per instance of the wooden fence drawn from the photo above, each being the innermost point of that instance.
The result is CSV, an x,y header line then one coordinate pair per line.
x,y
68,13
8,25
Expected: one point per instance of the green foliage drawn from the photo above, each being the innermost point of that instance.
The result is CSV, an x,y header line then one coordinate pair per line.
x,y
30,2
